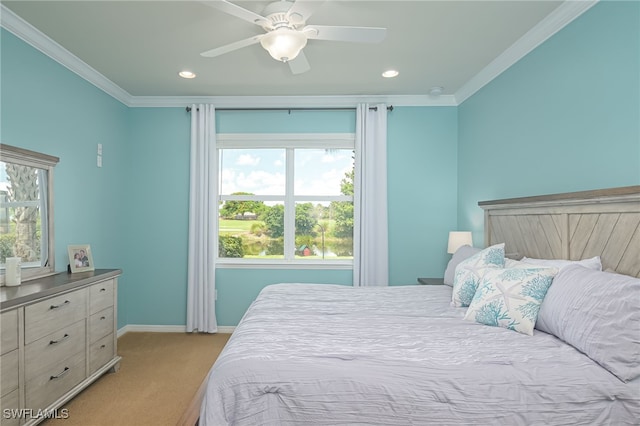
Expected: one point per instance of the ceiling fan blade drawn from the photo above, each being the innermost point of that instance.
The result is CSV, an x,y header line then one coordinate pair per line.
x,y
353,34
232,46
304,8
238,12
300,64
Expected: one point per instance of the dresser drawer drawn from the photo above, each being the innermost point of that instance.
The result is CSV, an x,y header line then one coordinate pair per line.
x,y
45,317
54,348
10,401
100,296
100,324
9,337
55,381
100,353
8,372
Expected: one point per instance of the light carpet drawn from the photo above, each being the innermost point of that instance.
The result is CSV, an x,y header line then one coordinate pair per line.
x,y
159,375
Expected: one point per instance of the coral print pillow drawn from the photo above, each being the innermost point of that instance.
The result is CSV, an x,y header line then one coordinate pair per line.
x,y
469,273
510,298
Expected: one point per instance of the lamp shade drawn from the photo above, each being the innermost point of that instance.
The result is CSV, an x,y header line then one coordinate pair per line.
x,y
458,239
284,44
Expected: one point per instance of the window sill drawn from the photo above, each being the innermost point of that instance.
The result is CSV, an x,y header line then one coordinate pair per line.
x,y
283,264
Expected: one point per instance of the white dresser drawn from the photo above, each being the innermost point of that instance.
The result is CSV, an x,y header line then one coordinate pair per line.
x,y
58,336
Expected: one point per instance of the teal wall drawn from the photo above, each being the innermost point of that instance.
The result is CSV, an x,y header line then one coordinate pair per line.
x,y
46,108
564,118
422,159
422,190
283,121
157,206
134,210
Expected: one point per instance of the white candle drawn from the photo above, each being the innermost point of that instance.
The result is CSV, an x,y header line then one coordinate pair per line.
x,y
12,272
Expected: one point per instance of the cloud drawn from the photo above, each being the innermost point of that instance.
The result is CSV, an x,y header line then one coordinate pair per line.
x,y
328,183
332,157
247,160
256,182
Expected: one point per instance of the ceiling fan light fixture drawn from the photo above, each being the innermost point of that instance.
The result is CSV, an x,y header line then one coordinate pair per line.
x,y
284,44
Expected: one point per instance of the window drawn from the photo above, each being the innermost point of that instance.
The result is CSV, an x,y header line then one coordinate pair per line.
x,y
286,198
26,216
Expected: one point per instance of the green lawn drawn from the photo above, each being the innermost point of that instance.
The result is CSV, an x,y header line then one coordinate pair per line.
x,y
230,226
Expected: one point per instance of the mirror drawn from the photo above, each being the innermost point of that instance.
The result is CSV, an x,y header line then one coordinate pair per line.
x,y
26,211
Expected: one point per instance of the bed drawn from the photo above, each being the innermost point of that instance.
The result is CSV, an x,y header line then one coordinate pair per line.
x,y
328,354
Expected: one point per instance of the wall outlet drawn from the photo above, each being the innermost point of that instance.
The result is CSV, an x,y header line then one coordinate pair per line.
x,y
99,161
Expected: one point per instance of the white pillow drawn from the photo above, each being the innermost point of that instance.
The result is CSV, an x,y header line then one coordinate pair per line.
x,y
593,263
510,298
598,313
469,272
510,263
463,253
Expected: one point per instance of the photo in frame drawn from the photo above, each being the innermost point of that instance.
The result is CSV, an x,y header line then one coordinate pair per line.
x,y
80,258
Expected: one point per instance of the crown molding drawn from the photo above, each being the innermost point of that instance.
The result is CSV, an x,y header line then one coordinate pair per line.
x,y
32,36
291,101
554,22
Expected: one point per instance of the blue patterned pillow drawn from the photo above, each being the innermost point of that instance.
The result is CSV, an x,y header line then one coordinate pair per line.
x,y
469,272
510,298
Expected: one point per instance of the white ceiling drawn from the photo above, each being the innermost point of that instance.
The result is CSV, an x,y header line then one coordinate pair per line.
x,y
142,45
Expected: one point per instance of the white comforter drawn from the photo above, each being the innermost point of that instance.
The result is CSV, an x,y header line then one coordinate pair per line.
x,y
336,355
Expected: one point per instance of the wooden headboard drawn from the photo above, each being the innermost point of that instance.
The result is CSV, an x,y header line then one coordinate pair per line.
x,y
575,225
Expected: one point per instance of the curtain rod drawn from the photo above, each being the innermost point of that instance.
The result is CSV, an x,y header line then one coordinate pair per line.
x,y
389,108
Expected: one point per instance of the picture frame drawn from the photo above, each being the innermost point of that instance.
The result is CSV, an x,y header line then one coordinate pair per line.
x,y
80,258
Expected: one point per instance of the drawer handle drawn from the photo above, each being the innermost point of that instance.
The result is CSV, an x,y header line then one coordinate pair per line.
x,y
54,342
103,289
62,373
66,302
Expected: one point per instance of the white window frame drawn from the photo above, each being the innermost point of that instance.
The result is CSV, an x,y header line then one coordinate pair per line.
x,y
289,142
46,163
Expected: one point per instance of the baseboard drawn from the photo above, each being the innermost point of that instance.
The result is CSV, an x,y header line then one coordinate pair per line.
x,y
226,329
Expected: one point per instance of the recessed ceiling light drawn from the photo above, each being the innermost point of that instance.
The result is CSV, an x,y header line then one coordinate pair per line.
x,y
186,74
390,73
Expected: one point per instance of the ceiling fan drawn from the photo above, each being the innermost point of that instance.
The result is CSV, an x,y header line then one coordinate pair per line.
x,y
287,32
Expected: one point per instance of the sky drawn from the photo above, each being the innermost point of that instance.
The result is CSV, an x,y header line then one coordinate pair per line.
x,y
262,171
4,181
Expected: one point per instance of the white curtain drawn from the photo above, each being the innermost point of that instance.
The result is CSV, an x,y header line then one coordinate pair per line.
x,y
370,234
203,221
